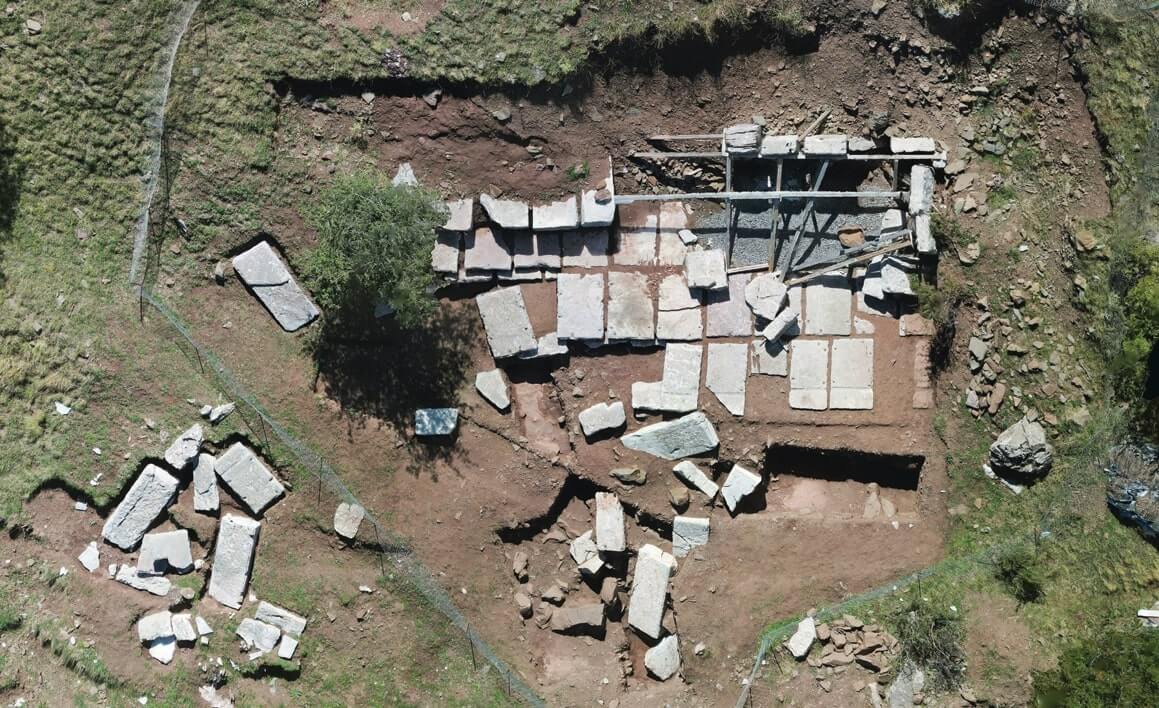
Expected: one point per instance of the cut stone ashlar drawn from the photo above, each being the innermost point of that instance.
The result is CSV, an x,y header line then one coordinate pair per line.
x,y
507,213
826,145
248,478
263,271
739,484
151,493
649,591
610,535
580,306
233,558
688,436
556,216
460,214
506,322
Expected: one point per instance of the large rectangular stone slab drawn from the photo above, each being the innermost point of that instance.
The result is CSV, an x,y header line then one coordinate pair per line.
x,y
585,249
267,276
506,213
460,215
688,436
728,313
680,326
248,478
556,216
673,219
706,269
779,145
580,306
165,552
649,592
852,378
676,295
610,535
152,492
537,250
445,254
486,249
829,306
825,145
809,374
233,558
289,622
906,146
630,315
505,319
727,374
770,358
636,237
921,185
598,206
680,383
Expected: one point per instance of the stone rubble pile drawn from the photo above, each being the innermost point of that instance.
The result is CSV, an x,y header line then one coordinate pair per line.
x,y
843,642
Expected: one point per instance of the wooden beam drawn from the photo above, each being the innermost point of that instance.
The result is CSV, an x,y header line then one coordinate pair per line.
x,y
773,224
823,268
806,214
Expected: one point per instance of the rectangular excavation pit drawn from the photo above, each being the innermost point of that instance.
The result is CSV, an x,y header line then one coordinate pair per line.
x,y
888,470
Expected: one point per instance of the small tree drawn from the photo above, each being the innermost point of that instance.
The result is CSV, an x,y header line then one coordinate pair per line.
x,y
374,246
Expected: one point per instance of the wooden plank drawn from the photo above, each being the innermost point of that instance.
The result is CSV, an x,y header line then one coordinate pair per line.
x,y
823,268
776,217
806,214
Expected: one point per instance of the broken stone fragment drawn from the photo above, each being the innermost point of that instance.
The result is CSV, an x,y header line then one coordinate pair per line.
x,y
203,627
90,557
492,386
219,413
287,647
257,635
610,535
586,555
663,660
237,539
578,619
630,475
165,552
506,213
151,493
459,215
738,485
649,591
786,323
436,422
289,622
523,604
688,533
555,593
248,478
688,436
679,498
183,451
692,475
602,417
152,584
183,629
519,566
405,176
706,269
802,640
155,631
205,495
766,295
347,518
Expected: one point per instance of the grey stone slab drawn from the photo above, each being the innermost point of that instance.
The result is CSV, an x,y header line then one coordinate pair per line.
x,y
578,618
636,236
673,219
825,145
895,279
151,493
506,213
546,346
145,582
183,629
770,358
556,216
851,383
860,144
585,249
787,323
486,249
248,478
706,269
923,236
598,206
766,294
727,374
912,145
688,533
233,558
257,635
506,322
287,647
921,195
829,305
218,413
537,250
779,145
737,485
155,626
165,552
610,534
663,660
347,518
203,628
802,640
809,374
876,306
585,554
289,622
492,386
435,422
688,436
183,450
460,215
267,276
676,295
892,223
580,306
728,314
680,382
649,592
90,557
630,310
680,325
693,476
602,417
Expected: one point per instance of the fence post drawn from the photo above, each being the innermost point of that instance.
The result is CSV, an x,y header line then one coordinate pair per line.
x,y
381,562
471,642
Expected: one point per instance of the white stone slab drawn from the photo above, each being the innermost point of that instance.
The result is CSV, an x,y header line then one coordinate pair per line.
x,y
630,310
580,306
205,495
739,484
802,639
287,647
892,222
921,195
779,145
248,478
742,138
602,417
155,631
507,213
537,250
585,554
165,552
492,386
183,629
825,145
585,249
267,276
860,144
556,216
809,374
787,323
460,214
766,294
706,269
347,518
90,557
145,582
727,374
692,475
636,236
233,557
506,321
676,295
486,249
610,535
912,145
829,306
663,660
728,314
203,628
436,422
680,383
289,622
688,533
183,450
673,219
895,279
923,236
688,436
852,379
257,635
598,206
649,592
151,493
680,326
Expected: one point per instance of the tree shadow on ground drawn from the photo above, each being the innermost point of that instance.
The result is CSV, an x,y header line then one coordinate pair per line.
x,y
380,370
11,179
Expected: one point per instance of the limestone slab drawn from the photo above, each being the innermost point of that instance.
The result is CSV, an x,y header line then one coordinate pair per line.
x,y
779,145
183,629
923,236
921,195
598,206
825,145
556,216
829,305
460,215
728,314
289,622
770,358
687,436
445,253
434,422
737,485
506,213
492,386
680,325
145,582
649,592
809,374
706,269
248,478
687,533
205,495
545,347
912,145
258,635
766,295
486,249
630,310
233,557
541,249
852,378
610,535
183,450
602,417
693,476
263,271
673,219
787,323
580,306
663,660
585,554
680,383
151,493
676,295
506,322
347,518
585,249
165,552
727,374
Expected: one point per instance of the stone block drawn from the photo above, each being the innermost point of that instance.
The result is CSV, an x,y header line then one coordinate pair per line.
x,y
263,271
165,552
145,582
287,647
895,279
673,220
706,269
802,640
676,295
914,325
921,195
742,139
852,379
825,145
182,452
766,295
492,386
460,215
770,358
787,323
90,557
892,223
923,237
183,629
693,476
737,485
556,216
258,636
545,347
506,213
537,250
809,374
151,493
679,326
598,206
445,253
649,592
578,619
630,311
909,146
585,249
248,478
205,495
688,436
688,533
435,422
663,660
233,558
586,555
155,631
779,145
486,250
861,145
283,619
580,306
829,306
610,536
727,375
602,417
506,322
680,383
347,518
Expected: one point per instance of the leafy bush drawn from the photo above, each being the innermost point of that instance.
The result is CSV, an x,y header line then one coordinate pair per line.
x,y
1017,568
374,246
1119,668
931,638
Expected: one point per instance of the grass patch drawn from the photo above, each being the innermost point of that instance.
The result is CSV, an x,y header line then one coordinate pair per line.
x,y
1018,570
1120,668
931,637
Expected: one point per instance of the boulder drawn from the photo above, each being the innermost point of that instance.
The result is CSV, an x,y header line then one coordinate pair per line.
x,y
205,495
692,475
738,485
151,493
578,619
248,478
688,533
766,295
610,536
688,436
1022,450
492,386
183,451
802,640
281,618
663,660
602,417
347,518
237,539
165,552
